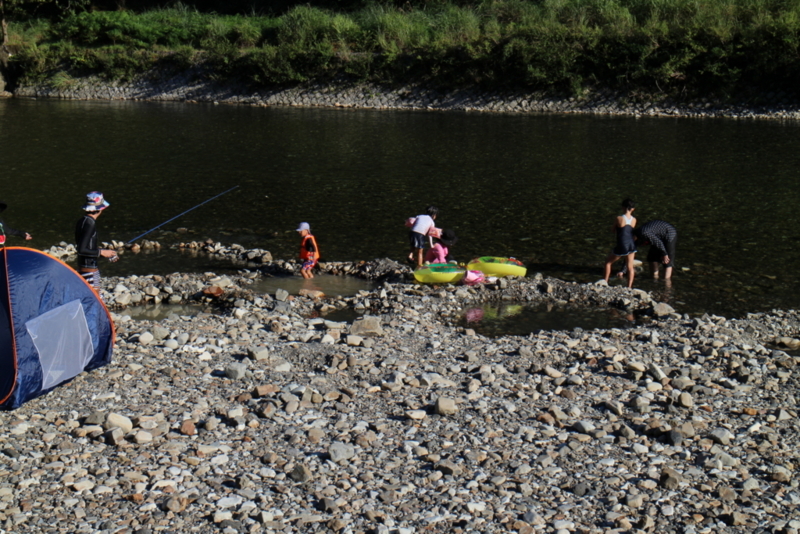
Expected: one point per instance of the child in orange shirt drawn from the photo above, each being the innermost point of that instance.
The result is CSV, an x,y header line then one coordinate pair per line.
x,y
309,252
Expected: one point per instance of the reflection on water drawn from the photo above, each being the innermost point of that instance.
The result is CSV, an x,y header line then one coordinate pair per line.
x,y
541,188
331,285
501,319
344,315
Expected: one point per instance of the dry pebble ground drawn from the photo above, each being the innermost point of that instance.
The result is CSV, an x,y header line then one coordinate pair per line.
x,y
265,417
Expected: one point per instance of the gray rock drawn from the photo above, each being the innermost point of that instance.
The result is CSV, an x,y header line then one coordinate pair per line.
x,y
367,326
115,420
661,309
146,338
236,371
354,341
340,452
95,418
581,489
259,354
445,406
584,427
723,436
685,399
635,501
301,473
115,436
160,333
751,484
781,474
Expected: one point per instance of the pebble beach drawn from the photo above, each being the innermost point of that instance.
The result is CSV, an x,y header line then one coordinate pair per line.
x,y
195,87
264,416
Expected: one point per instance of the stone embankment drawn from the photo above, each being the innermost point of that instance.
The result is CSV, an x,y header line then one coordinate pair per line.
x,y
266,417
193,87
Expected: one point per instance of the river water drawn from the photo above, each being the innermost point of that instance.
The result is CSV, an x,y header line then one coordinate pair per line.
x,y
541,188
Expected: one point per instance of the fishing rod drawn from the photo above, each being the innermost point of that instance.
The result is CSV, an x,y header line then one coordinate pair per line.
x,y
182,214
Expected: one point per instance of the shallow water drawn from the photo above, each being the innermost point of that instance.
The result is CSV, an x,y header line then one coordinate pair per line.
x,y
520,319
331,285
542,188
344,315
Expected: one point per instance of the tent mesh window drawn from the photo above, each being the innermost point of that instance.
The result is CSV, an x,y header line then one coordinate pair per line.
x,y
63,341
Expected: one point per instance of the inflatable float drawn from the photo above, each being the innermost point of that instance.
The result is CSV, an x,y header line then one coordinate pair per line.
x,y
439,273
492,266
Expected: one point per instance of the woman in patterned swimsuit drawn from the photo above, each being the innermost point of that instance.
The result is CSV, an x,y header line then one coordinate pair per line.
x,y
626,246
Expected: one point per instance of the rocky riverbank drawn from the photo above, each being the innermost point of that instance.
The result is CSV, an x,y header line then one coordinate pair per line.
x,y
195,87
266,417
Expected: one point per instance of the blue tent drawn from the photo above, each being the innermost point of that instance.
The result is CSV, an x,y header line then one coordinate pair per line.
x,y
53,325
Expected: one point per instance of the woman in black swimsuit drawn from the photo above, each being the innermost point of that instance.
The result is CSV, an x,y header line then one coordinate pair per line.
x,y
626,246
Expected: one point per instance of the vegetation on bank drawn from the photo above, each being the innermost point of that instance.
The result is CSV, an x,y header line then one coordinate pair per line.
x,y
691,47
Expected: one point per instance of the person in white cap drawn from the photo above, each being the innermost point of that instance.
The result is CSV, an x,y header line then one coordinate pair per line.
x,y
309,252
87,243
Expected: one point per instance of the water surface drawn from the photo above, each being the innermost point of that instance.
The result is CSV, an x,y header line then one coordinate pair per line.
x,y
520,319
330,285
542,188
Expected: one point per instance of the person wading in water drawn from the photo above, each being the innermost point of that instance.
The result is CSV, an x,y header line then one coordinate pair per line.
x,y
626,246
86,240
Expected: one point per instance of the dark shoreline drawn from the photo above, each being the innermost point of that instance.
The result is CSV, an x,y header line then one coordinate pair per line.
x,y
186,87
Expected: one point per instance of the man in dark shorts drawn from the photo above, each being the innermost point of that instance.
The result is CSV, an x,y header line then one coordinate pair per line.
x,y
662,237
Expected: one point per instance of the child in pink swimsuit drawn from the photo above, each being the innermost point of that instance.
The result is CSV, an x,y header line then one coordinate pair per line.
x,y
440,251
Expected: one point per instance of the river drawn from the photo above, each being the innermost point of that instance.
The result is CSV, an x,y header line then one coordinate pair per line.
x,y
541,188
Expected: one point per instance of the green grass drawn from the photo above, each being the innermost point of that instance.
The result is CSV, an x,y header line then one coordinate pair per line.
x,y
718,47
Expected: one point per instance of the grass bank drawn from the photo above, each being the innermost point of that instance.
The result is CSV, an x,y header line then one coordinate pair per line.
x,y
674,47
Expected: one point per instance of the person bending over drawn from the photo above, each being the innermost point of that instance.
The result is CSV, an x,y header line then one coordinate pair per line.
x,y
662,238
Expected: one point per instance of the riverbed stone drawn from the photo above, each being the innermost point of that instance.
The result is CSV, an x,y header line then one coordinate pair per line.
x,y
367,326
686,400
340,452
781,474
445,406
160,333
119,421
351,433
661,309
145,338
301,473
723,436
236,371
